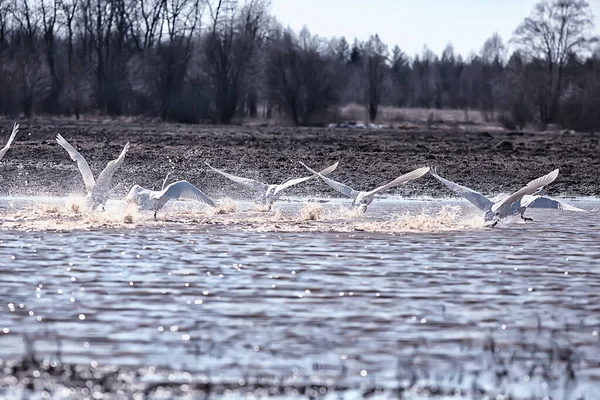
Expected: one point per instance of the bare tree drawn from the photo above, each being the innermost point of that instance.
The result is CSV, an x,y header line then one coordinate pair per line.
x,y
229,49
375,67
520,97
151,57
555,29
72,82
182,18
49,10
493,49
27,55
146,22
491,74
400,72
300,79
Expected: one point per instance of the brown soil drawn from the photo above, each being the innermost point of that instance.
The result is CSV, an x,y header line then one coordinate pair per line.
x,y
488,161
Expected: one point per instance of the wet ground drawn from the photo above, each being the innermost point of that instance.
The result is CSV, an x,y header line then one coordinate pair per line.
x,y
489,160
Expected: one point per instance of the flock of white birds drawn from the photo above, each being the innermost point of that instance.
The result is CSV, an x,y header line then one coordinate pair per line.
x,y
98,190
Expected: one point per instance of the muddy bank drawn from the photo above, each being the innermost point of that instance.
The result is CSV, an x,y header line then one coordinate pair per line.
x,y
488,161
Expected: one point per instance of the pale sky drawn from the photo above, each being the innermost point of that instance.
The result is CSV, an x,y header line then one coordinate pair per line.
x,y
411,24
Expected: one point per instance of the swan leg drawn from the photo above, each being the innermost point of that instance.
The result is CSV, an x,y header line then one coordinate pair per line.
x,y
523,217
494,221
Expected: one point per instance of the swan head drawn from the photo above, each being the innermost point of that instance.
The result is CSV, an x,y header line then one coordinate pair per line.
x,y
270,193
362,201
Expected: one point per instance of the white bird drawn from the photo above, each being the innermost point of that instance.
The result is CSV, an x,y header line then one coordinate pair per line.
x,y
154,200
529,196
98,190
10,140
362,199
269,193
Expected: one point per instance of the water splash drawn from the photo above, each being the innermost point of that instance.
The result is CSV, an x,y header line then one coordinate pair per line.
x,y
69,213
65,214
349,212
448,218
261,207
311,212
227,205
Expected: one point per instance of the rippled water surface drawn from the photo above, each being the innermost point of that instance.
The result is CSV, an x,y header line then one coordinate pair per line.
x,y
328,297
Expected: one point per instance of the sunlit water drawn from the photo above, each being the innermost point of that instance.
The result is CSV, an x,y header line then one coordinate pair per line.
x,y
414,293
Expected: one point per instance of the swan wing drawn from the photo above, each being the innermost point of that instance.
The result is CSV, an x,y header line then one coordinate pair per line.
x,y
292,182
251,183
10,140
403,179
474,197
106,175
183,190
82,164
547,202
532,187
340,187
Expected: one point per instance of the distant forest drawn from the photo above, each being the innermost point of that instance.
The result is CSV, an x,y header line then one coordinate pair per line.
x,y
218,61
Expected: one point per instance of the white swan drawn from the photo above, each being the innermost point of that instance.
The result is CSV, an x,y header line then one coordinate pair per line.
x,y
10,140
529,196
98,190
362,199
154,200
269,193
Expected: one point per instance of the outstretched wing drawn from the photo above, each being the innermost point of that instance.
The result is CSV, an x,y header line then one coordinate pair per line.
x,y
186,191
10,140
547,202
106,175
476,198
340,187
165,181
293,182
251,183
410,176
530,188
84,168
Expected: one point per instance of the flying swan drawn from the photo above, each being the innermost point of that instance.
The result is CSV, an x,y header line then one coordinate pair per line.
x,y
154,200
99,190
270,193
10,140
362,199
529,196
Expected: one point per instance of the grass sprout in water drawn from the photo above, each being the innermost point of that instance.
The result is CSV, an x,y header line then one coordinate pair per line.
x,y
525,371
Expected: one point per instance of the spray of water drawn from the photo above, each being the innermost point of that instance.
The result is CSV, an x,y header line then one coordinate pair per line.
x,y
69,213
225,205
261,207
448,218
311,212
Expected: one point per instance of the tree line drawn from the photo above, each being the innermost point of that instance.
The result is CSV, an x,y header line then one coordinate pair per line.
x,y
215,61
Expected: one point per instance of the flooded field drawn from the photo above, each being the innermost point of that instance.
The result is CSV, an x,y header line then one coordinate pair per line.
x,y
415,298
